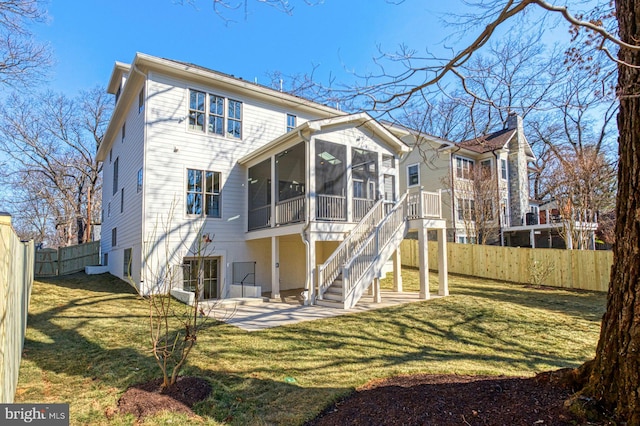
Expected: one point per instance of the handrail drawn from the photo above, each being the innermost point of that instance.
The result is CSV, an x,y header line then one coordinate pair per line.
x,y
330,269
364,258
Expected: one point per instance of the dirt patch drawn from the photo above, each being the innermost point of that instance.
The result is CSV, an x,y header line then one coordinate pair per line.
x,y
149,398
455,400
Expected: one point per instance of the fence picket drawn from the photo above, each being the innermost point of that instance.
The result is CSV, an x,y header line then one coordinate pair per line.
x,y
578,269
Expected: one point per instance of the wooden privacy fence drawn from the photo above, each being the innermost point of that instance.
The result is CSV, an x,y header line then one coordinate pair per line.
x,y
16,280
576,269
66,260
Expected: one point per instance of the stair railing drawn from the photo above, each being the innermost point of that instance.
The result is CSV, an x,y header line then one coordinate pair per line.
x,y
366,256
331,268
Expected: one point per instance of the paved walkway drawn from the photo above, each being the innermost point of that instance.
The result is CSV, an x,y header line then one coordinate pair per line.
x,y
255,314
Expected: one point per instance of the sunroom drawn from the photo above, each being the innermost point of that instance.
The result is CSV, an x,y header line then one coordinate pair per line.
x,y
326,172
309,188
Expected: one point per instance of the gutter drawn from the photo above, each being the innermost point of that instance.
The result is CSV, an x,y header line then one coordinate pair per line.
x,y
309,286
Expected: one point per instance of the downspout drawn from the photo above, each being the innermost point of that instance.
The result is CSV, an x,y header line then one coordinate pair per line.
x,y
453,193
499,199
143,249
309,286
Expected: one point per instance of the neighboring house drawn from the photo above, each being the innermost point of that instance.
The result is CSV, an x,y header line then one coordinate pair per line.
x,y
212,179
485,184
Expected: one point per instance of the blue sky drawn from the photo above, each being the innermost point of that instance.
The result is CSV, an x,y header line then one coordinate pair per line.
x,y
87,37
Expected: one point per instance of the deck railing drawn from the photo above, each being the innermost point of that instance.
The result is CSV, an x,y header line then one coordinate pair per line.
x,y
423,204
291,210
329,270
360,208
331,207
260,217
363,258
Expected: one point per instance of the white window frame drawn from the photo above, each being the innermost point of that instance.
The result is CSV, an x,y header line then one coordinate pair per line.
x,y
292,122
214,114
464,168
203,192
503,169
409,174
139,183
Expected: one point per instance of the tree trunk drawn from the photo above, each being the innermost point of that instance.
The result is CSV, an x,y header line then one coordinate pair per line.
x,y
615,377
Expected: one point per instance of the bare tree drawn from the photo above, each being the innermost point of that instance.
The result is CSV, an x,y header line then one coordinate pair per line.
x,y
173,325
613,376
582,184
54,178
21,58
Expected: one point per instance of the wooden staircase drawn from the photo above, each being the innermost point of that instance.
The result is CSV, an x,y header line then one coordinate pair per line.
x,y
360,258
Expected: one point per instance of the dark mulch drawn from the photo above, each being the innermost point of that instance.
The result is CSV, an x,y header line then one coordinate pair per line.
x,y
455,400
149,398
421,399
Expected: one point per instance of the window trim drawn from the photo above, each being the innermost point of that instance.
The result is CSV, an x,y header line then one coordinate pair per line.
x,y
126,265
417,166
291,124
114,236
116,167
231,115
469,170
203,194
504,173
139,182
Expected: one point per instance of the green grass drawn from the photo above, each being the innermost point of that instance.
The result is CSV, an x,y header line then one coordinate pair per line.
x,y
87,341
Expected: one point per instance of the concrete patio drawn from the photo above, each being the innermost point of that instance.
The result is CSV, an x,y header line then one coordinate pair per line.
x,y
252,314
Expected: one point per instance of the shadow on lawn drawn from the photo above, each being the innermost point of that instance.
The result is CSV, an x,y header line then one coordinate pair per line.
x,y
104,283
588,305
63,342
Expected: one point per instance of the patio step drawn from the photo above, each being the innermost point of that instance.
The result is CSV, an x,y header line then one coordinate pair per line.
x,y
328,303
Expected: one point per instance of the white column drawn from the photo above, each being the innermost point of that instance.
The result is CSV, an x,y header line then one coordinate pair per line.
x,y
532,238
397,271
313,269
274,192
423,257
443,272
275,268
376,290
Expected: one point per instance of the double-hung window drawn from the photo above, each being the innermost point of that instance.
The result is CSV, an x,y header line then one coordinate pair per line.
x,y
215,115
115,175
196,110
503,168
291,122
466,209
203,193
413,175
234,119
464,168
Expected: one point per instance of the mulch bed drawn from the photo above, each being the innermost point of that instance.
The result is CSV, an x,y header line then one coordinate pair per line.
x,y
444,400
149,398
423,399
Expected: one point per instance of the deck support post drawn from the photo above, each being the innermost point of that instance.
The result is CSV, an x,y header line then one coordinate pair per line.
x,y
423,255
397,271
377,298
443,276
275,268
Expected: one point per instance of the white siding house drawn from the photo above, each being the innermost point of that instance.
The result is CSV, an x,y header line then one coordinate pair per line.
x,y
263,185
485,184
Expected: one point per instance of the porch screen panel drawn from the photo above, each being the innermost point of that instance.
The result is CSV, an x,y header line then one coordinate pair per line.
x,y
364,172
259,195
330,167
290,175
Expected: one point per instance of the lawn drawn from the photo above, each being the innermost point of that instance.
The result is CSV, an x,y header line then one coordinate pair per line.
x,y
87,341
